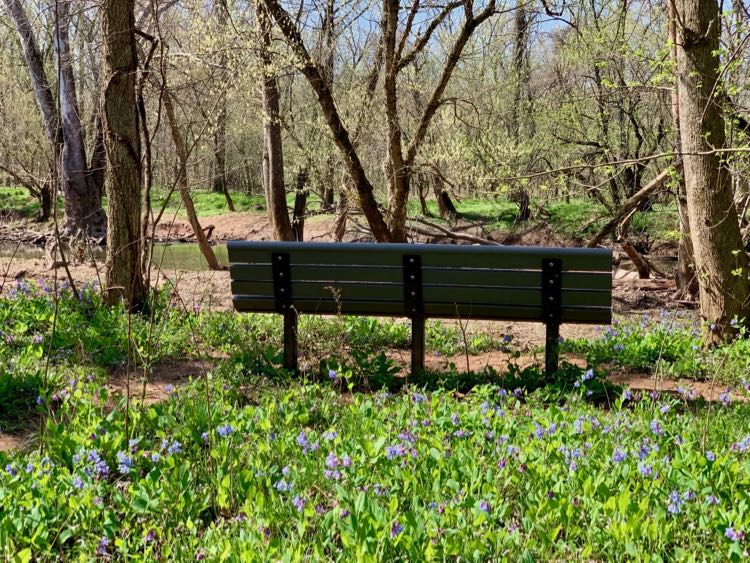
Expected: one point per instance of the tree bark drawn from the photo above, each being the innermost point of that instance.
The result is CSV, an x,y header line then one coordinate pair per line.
x,y
83,205
272,142
720,259
220,134
685,278
182,183
300,203
122,142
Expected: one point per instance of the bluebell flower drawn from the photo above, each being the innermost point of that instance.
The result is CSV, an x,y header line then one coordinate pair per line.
x,y
455,419
330,435
282,486
124,463
225,430
674,503
484,506
588,375
299,503
664,409
619,456
332,374
627,395
174,448
725,398
29,467
392,452
204,437
656,428
710,456
101,549
645,469
155,457
11,470
77,482
332,461
734,535
346,461
418,398
285,470
712,500
396,529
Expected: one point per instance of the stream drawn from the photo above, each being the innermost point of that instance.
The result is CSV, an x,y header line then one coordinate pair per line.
x,y
171,256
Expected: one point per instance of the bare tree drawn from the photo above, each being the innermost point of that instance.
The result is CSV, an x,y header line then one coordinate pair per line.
x,y
720,259
396,57
82,194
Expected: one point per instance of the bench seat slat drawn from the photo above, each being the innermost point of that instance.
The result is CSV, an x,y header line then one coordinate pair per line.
x,y
431,294
375,254
262,303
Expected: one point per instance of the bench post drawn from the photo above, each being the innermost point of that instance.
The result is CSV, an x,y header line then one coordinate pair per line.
x,y
282,292
414,309
290,340
417,344
551,311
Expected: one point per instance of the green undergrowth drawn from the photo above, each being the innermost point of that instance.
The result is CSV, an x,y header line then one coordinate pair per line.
x,y
351,459
238,467
667,344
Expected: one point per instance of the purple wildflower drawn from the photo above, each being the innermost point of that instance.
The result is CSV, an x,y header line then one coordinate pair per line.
x,y
484,506
299,503
619,456
396,529
225,430
674,503
734,535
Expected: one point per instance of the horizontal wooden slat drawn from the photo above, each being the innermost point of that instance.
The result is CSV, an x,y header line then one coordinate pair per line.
x,y
592,315
510,278
431,276
524,258
431,294
262,272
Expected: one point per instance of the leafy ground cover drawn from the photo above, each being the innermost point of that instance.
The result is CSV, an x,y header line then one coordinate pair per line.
x,y
352,461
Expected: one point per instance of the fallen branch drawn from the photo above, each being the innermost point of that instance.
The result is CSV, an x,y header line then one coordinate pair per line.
x,y
629,206
640,263
442,231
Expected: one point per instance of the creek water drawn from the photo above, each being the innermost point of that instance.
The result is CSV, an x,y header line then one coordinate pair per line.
x,y
170,256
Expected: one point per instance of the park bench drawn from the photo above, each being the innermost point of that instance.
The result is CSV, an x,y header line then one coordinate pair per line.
x,y
420,281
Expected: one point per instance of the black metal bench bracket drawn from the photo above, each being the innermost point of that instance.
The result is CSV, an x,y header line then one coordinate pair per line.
x,y
552,311
414,309
282,292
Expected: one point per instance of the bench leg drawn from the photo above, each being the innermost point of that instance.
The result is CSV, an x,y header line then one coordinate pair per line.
x,y
552,348
290,340
417,345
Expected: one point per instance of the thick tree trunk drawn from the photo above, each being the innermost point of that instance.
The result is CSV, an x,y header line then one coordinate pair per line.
x,y
342,214
182,183
721,263
685,278
83,205
272,142
122,141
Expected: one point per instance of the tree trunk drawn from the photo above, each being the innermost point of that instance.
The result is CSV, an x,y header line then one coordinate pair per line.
x,y
685,278
220,134
300,203
272,143
182,183
83,205
122,141
521,68
721,263
342,213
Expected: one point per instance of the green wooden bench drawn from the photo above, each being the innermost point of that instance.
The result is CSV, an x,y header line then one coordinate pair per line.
x,y
420,281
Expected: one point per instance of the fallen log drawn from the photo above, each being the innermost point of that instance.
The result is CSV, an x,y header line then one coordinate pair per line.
x,y
629,205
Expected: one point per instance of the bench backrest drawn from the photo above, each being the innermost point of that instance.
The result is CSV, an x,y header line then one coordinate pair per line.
x,y
478,282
